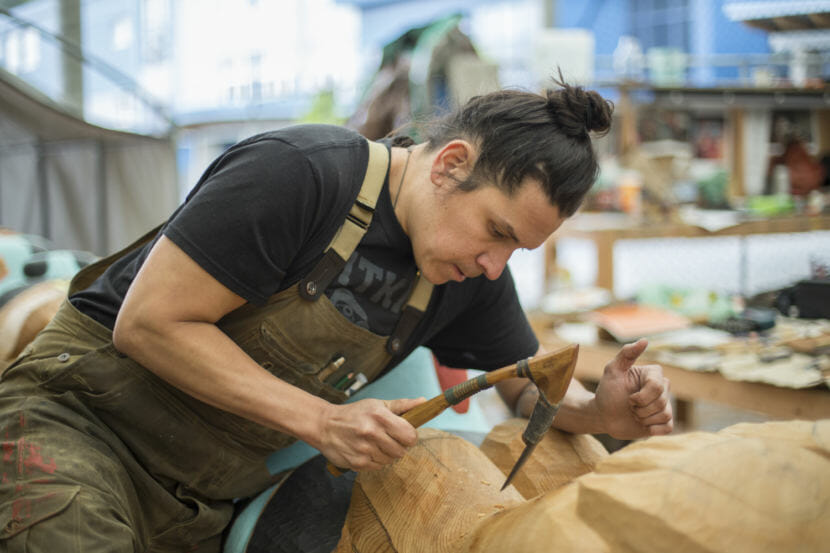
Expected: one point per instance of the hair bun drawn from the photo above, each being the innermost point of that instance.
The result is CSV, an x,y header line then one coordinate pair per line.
x,y
578,111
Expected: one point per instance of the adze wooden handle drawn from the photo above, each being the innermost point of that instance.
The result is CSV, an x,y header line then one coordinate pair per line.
x,y
551,372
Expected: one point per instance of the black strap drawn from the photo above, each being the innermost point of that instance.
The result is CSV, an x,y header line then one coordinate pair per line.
x,y
319,278
406,324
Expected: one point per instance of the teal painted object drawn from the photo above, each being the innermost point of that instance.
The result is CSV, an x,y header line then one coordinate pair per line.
x,y
414,377
28,259
15,250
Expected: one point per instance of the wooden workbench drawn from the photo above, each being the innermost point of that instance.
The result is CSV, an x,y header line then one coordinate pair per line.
x,y
779,403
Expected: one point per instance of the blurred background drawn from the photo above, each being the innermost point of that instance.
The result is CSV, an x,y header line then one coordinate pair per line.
x,y
710,214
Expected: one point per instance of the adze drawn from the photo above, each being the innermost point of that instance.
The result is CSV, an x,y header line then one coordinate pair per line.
x,y
551,372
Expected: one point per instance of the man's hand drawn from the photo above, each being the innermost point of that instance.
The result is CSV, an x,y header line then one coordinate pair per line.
x,y
367,434
633,400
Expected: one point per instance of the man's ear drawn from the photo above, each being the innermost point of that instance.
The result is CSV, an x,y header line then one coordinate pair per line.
x,y
453,163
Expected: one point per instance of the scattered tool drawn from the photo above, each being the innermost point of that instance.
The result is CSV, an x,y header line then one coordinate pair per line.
x,y
551,372
331,368
345,381
359,381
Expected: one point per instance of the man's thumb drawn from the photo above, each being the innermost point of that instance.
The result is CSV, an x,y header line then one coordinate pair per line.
x,y
401,406
628,354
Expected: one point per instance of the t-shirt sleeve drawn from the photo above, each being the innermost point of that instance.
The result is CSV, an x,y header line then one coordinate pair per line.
x,y
249,215
490,332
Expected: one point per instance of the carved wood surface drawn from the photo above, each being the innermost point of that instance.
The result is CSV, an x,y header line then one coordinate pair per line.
x,y
430,500
749,488
558,458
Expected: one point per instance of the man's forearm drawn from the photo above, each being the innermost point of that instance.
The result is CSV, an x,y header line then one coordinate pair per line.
x,y
577,411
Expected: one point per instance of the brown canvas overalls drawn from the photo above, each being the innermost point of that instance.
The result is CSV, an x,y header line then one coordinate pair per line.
x,y
100,454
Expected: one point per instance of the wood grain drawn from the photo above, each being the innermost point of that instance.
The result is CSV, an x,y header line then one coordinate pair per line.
x,y
558,458
749,488
429,500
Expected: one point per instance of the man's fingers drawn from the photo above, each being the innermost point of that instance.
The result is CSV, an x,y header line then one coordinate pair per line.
x,y
660,418
651,404
652,385
368,434
401,406
661,429
398,428
391,448
627,355
648,394
655,407
364,464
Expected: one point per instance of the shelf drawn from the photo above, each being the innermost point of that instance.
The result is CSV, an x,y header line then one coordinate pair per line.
x,y
604,229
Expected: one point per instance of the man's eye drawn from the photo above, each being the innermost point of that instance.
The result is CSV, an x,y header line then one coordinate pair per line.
x,y
496,233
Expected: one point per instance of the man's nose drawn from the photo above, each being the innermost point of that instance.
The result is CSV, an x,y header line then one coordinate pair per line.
x,y
492,262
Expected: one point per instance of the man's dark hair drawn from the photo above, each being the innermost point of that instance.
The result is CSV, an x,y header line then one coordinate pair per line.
x,y
522,134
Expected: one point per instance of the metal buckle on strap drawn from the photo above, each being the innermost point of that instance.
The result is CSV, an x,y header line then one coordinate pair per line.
x,y
362,224
364,205
319,278
361,214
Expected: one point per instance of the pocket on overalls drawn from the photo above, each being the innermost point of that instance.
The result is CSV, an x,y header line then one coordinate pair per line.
x,y
20,513
286,363
280,355
93,375
52,351
161,426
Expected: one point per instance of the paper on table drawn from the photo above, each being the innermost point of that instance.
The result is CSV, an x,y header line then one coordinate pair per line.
x,y
798,371
631,321
710,219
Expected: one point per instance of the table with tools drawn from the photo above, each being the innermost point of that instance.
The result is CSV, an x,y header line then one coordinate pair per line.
x,y
687,386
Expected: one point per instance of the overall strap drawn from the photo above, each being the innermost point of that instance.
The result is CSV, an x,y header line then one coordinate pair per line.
x,y
353,229
349,236
412,313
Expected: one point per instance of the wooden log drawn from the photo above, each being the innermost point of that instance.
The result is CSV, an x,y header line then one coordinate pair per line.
x,y
544,524
28,313
747,489
429,500
558,458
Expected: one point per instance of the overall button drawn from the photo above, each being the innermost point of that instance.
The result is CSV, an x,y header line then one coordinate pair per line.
x,y
63,357
311,288
395,345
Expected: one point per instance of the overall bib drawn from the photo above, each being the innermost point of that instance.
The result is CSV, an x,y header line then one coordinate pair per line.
x,y
100,454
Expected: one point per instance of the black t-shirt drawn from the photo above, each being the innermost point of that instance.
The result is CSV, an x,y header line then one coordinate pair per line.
x,y
260,218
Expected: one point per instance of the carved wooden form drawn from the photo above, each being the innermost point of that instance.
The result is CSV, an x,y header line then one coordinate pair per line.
x,y
748,488
559,458
430,500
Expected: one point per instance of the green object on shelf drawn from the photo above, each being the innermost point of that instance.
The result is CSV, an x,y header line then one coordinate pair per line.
x,y
777,204
712,190
691,302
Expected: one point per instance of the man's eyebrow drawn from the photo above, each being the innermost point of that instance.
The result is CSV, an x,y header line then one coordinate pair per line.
x,y
508,229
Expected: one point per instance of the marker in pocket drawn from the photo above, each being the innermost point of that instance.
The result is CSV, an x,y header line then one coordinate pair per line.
x,y
359,382
345,382
331,368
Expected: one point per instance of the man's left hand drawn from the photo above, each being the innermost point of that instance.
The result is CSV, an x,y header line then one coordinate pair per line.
x,y
633,400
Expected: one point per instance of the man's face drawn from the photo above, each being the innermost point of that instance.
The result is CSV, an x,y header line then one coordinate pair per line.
x,y
462,235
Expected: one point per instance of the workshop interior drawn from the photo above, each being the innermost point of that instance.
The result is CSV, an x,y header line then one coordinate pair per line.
x,y
706,232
